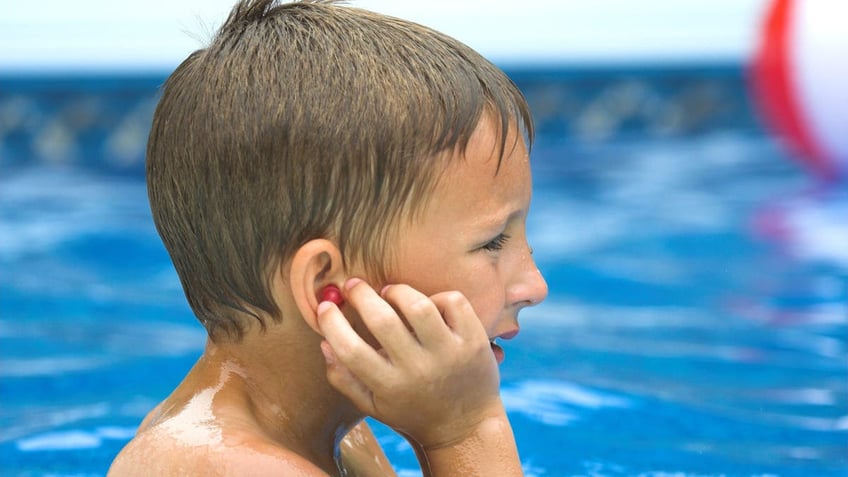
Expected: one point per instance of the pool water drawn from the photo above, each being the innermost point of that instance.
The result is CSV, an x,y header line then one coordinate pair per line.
x,y
697,322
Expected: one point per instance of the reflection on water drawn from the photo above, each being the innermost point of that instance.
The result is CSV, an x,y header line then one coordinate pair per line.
x,y
683,334
730,343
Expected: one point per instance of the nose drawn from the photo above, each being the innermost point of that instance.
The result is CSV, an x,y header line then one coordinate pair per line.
x,y
529,287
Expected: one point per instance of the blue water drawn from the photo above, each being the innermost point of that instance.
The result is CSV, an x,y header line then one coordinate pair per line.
x,y
697,322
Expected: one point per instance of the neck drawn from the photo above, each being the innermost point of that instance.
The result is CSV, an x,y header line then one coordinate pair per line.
x,y
277,381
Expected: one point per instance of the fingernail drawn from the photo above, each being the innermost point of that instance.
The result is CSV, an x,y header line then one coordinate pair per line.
x,y
352,282
323,306
383,291
327,351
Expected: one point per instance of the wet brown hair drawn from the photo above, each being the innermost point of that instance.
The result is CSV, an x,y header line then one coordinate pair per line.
x,y
300,121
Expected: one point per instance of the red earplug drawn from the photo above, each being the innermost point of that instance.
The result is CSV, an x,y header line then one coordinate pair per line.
x,y
332,294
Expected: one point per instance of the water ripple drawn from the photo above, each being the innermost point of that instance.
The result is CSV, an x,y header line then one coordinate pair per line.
x,y
557,403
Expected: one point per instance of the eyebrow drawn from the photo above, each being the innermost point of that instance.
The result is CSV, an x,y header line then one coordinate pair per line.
x,y
497,219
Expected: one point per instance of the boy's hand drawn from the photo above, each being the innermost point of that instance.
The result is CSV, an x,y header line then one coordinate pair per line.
x,y
434,377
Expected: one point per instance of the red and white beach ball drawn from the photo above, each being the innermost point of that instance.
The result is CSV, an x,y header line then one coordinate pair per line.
x,y
800,80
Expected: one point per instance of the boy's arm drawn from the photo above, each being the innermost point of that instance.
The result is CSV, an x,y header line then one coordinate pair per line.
x,y
463,457
362,454
488,450
434,378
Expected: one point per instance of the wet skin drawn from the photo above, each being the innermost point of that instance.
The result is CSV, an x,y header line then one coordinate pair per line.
x,y
265,403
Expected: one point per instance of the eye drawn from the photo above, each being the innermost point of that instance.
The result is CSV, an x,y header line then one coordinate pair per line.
x,y
496,243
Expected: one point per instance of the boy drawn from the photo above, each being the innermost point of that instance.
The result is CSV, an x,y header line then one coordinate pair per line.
x,y
343,195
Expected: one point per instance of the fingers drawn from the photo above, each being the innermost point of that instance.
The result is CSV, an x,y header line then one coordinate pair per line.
x,y
432,319
341,378
348,349
381,320
420,312
428,369
459,315
437,323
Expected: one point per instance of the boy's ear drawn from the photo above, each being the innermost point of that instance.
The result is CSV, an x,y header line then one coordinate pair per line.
x,y
315,265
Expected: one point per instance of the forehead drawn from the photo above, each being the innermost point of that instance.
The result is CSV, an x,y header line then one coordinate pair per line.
x,y
476,187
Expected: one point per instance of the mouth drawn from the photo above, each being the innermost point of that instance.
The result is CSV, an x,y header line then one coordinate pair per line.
x,y
497,350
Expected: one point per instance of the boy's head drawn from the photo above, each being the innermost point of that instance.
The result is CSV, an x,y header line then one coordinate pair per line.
x,y
301,121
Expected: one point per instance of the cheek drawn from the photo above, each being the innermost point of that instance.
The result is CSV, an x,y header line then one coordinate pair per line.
x,y
488,306
485,291
475,276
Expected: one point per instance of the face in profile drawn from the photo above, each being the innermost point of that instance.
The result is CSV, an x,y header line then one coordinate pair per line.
x,y
471,236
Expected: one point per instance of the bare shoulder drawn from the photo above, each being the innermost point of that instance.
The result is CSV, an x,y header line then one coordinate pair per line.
x,y
153,452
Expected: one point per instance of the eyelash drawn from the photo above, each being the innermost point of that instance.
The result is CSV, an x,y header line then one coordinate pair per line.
x,y
496,243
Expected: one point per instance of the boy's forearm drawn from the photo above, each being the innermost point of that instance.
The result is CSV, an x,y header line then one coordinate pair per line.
x,y
489,450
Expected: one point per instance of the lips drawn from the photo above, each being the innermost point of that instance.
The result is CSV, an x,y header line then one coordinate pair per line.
x,y
496,349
